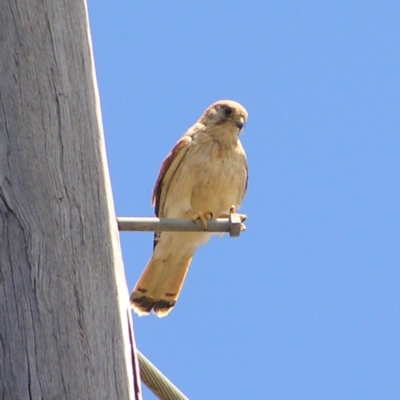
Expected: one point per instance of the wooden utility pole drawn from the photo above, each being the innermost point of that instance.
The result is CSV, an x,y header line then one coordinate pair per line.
x,y
65,323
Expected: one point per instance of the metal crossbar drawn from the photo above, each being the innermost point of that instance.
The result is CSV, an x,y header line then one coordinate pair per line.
x,y
151,376
233,224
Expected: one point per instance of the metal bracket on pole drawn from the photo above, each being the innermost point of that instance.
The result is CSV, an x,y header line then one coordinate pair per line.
x,y
233,224
150,375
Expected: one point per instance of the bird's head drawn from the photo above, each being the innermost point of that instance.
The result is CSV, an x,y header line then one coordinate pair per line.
x,y
226,114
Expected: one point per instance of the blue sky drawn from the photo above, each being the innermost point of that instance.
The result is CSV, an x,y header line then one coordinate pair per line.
x,y
306,303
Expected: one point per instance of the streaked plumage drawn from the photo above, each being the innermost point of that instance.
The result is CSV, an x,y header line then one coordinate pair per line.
x,y
206,172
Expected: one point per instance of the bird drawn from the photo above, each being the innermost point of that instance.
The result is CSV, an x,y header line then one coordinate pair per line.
x,y
204,176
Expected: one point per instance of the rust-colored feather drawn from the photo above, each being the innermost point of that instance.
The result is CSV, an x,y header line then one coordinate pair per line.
x,y
159,286
204,174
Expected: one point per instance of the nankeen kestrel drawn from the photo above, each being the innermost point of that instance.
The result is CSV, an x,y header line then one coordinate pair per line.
x,y
203,177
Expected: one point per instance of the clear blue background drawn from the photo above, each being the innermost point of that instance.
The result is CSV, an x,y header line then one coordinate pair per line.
x,y
306,303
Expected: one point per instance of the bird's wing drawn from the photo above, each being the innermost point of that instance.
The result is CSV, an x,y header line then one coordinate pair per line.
x,y
168,168
167,171
246,168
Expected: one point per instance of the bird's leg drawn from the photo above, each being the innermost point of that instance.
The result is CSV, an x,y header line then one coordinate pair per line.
x,y
203,217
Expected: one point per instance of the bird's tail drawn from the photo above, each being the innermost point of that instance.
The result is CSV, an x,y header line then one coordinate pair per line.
x,y
160,284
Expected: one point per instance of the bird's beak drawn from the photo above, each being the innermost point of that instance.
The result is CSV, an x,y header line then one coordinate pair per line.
x,y
240,123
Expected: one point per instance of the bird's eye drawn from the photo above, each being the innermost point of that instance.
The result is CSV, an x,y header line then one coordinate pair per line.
x,y
228,111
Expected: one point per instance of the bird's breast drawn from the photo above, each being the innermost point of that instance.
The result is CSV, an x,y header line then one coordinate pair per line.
x,y
211,177
219,178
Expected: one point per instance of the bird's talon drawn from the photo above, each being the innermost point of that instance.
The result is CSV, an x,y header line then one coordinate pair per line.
x,y
242,217
232,210
203,217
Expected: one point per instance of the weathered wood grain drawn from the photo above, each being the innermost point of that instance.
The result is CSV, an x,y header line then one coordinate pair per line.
x,y
65,325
